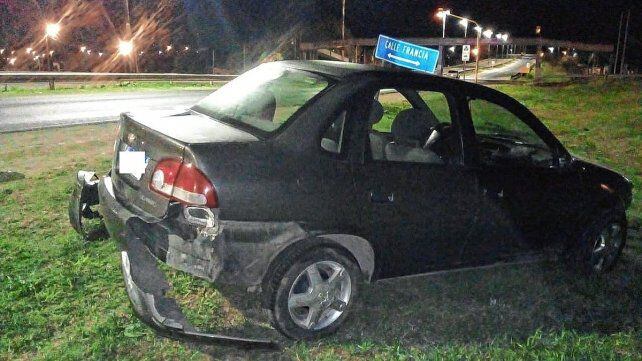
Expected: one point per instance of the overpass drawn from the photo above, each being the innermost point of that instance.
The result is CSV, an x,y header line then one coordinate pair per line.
x,y
364,47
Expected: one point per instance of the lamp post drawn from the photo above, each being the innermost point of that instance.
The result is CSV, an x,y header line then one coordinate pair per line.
x,y
464,23
128,34
51,31
442,14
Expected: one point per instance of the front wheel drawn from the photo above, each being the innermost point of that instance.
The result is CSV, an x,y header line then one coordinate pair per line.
x,y
312,295
601,243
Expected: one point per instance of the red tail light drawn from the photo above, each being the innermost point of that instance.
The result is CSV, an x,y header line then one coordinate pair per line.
x,y
184,183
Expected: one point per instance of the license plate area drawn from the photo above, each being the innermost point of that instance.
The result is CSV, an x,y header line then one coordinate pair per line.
x,y
131,163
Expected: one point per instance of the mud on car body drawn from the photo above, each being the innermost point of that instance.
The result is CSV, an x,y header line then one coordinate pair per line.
x,y
301,181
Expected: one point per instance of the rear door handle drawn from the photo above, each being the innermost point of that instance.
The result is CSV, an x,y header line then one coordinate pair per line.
x,y
379,198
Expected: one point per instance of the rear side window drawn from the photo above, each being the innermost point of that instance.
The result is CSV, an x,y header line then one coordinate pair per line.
x,y
263,98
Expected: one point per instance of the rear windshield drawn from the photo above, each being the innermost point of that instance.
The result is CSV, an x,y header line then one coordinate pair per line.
x,y
263,98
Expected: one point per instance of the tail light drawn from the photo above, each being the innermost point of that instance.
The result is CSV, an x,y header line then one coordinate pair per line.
x,y
184,183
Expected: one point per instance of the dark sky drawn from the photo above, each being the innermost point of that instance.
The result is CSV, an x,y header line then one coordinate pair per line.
x,y
590,21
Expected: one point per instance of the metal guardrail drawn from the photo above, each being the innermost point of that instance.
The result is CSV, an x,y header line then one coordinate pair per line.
x,y
18,77
42,76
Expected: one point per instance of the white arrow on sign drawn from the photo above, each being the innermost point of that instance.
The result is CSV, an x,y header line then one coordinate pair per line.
x,y
413,62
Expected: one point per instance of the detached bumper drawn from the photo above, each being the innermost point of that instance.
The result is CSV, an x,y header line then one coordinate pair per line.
x,y
146,285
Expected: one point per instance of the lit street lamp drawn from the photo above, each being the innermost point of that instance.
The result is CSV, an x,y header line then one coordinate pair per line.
x,y
443,14
125,47
464,23
52,30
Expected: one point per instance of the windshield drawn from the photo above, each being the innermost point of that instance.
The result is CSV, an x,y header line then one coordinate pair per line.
x,y
263,98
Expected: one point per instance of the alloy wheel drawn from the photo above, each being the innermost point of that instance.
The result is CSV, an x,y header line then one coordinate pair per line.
x,y
319,295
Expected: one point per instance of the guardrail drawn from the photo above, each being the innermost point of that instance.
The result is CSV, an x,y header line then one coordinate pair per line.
x,y
19,77
52,77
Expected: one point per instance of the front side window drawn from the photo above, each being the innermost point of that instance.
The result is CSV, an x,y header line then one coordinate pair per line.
x,y
504,139
263,98
417,131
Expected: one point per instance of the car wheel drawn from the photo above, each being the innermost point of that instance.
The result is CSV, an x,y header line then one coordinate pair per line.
x,y
314,293
601,243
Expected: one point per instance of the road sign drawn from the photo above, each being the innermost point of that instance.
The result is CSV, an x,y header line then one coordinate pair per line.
x,y
407,55
465,53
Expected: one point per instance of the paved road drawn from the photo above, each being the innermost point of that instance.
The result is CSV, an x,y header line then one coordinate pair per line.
x,y
504,72
39,111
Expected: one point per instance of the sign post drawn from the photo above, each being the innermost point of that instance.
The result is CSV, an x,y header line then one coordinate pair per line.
x,y
406,55
465,57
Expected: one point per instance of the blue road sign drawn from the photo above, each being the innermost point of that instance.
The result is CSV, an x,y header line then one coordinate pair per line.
x,y
406,54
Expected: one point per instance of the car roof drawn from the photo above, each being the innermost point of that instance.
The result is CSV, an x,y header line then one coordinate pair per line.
x,y
339,69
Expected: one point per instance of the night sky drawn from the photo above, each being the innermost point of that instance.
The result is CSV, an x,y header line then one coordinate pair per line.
x,y
590,21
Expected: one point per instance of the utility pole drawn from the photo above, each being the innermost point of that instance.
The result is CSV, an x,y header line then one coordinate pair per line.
x,y
617,48
626,37
343,27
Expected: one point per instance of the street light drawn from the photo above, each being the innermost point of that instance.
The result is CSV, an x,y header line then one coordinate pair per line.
x,y
12,61
442,14
488,33
83,48
52,30
125,47
464,23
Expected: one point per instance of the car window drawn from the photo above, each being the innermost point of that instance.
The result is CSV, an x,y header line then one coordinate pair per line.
x,y
263,98
504,138
403,132
438,104
332,140
393,102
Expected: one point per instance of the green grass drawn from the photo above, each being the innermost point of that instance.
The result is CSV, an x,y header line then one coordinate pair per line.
x,y
61,298
24,89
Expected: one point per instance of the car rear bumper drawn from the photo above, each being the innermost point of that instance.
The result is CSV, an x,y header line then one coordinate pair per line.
x,y
146,284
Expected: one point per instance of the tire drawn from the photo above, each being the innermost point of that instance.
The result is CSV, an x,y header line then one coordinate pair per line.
x,y
296,295
600,245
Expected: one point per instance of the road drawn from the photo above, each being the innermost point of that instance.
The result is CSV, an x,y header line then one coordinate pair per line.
x,y
504,72
39,111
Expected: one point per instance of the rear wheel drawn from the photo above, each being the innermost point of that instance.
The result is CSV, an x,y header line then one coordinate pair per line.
x,y
601,243
313,295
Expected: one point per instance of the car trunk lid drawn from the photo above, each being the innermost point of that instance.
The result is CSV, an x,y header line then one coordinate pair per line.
x,y
162,136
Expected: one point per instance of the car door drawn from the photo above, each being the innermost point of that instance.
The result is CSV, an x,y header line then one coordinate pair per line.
x,y
527,195
416,211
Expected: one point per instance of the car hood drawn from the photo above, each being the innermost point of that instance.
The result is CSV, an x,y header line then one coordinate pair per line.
x,y
598,173
190,127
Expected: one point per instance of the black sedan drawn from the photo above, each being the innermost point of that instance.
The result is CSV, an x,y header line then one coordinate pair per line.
x,y
301,181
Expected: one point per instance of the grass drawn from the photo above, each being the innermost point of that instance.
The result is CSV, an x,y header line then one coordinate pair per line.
x,y
25,89
61,298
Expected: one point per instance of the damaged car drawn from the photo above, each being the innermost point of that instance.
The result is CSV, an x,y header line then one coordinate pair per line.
x,y
301,181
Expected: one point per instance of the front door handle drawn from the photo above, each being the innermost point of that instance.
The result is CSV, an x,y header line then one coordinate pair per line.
x,y
379,198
